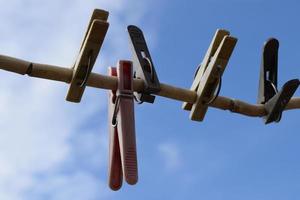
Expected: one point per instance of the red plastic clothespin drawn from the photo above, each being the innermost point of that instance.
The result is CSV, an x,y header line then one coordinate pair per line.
x,y
122,149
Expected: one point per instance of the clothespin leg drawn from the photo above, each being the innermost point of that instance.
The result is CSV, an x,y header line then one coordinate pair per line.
x,y
115,166
125,122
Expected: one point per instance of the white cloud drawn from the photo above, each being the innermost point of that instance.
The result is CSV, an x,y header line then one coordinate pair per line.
x,y
41,135
171,155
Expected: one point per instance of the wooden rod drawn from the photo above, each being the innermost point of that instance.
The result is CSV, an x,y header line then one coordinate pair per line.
x,y
110,83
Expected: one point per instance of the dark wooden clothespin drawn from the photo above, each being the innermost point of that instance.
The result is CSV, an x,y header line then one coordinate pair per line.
x,y
122,150
89,51
274,101
143,65
209,73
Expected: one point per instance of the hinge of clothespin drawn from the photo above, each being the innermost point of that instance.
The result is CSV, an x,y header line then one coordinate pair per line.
x,y
123,156
89,51
143,65
274,101
209,73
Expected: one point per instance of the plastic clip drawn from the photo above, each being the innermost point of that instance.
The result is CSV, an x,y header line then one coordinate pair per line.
x,y
122,150
143,65
274,101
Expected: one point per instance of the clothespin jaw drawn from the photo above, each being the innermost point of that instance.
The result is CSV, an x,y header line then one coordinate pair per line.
x,y
209,75
123,156
143,65
89,51
274,101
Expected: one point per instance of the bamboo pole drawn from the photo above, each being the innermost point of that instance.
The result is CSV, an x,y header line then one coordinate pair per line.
x,y
110,83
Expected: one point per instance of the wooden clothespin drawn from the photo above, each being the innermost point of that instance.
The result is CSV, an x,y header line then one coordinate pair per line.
x,y
209,73
89,51
122,145
268,94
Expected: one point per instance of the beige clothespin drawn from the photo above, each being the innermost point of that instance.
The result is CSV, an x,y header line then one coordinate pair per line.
x,y
210,72
89,51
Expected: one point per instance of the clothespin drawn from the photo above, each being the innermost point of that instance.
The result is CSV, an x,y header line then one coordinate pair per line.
x,y
89,51
122,150
209,73
143,65
274,101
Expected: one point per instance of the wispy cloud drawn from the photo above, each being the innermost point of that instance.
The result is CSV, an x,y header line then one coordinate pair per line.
x,y
170,154
51,149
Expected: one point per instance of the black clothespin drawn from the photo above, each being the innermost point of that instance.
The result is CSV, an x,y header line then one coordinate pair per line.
x,y
275,102
143,65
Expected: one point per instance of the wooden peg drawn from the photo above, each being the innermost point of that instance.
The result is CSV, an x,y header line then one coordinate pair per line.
x,y
211,77
217,39
88,54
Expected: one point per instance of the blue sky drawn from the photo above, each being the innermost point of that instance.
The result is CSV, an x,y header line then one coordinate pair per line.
x,y
52,149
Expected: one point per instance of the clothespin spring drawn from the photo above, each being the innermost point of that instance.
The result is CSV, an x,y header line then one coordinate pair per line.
x,y
114,121
89,65
273,86
148,67
219,86
217,93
